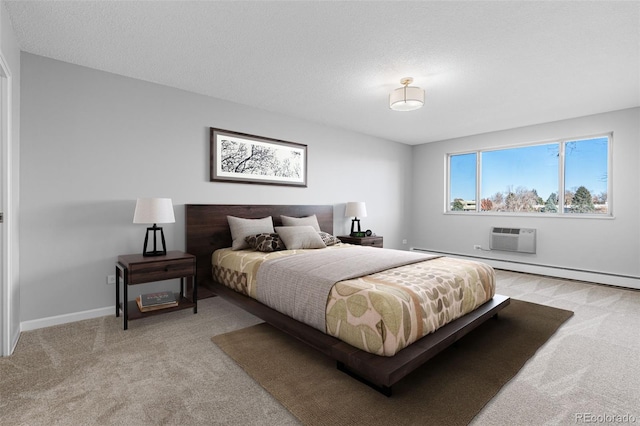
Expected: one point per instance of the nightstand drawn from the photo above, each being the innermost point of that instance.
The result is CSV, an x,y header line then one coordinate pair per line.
x,y
373,241
138,269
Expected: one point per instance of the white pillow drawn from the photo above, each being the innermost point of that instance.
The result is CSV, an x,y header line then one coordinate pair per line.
x,y
300,237
301,221
242,228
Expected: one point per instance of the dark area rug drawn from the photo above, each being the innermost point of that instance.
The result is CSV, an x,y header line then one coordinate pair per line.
x,y
450,389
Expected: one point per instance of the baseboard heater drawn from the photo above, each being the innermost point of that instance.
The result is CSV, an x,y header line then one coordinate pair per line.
x,y
588,275
521,240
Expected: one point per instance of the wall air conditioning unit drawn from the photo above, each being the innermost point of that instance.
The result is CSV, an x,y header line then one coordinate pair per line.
x,y
522,240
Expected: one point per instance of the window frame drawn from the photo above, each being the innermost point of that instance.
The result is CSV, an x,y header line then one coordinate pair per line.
x,y
562,142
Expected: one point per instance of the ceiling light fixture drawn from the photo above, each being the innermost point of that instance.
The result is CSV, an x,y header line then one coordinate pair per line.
x,y
406,98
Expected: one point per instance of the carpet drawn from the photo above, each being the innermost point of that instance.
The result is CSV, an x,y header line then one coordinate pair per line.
x,y
450,389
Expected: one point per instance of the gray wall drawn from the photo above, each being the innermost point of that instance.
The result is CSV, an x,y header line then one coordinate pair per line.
x,y
602,245
92,142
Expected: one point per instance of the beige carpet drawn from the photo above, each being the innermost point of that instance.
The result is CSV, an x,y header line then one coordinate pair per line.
x,y
450,390
166,369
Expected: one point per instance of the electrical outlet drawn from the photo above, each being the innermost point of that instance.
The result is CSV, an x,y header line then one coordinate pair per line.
x,y
477,247
111,279
404,241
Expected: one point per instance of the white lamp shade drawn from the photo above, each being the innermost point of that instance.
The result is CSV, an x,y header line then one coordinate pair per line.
x,y
406,98
356,209
154,210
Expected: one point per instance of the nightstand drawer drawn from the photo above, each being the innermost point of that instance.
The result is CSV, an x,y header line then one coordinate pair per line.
x,y
162,270
373,242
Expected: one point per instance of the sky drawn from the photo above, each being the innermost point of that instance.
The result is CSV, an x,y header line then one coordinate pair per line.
x,y
532,167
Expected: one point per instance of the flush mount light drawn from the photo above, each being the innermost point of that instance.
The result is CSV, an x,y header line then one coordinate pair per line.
x,y
406,98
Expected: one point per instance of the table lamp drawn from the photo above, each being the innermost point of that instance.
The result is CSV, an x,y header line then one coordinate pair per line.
x,y
154,210
355,209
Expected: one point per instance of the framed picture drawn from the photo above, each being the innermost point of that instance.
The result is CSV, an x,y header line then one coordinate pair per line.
x,y
238,157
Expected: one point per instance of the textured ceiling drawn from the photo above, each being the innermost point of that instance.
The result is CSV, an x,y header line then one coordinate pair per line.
x,y
485,65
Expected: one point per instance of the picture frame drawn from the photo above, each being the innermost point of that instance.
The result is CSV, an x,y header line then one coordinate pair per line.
x,y
243,158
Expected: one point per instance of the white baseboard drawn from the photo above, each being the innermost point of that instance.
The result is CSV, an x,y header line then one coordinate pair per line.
x,y
14,341
66,318
617,280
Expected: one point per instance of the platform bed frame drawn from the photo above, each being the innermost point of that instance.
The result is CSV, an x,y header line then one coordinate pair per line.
x,y
207,230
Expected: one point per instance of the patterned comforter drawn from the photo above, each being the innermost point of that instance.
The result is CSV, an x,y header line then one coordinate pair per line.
x,y
384,312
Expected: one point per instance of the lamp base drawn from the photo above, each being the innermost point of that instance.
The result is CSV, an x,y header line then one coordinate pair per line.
x,y
155,251
355,233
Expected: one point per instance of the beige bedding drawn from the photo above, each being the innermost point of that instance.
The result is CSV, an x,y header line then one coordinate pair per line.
x,y
299,286
382,312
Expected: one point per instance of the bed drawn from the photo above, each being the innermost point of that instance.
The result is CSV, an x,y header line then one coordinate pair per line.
x,y
207,231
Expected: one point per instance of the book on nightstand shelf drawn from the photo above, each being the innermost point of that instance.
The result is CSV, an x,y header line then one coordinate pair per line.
x,y
153,301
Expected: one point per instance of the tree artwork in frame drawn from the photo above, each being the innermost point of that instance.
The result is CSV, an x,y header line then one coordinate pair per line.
x,y
238,157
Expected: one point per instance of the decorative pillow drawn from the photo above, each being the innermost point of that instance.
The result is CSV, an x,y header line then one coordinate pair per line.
x,y
301,221
300,237
242,228
328,239
265,242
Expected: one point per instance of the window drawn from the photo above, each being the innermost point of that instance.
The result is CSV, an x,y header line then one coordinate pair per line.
x,y
567,177
586,176
463,188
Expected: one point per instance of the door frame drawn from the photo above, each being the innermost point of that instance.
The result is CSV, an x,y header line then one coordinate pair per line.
x,y
9,329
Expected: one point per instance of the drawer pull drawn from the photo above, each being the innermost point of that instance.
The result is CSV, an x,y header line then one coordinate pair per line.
x,y
166,269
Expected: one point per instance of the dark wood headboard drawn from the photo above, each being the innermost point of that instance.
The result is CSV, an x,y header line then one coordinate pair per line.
x,y
207,228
